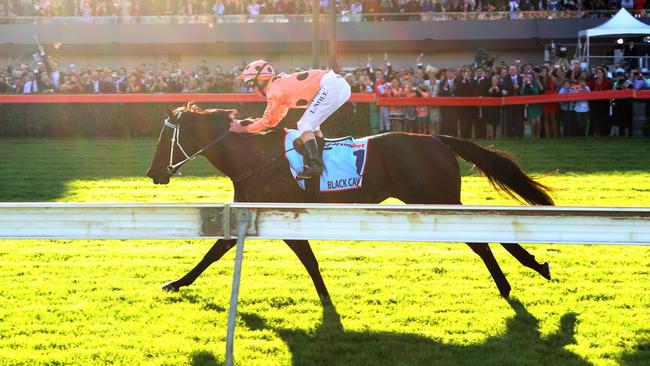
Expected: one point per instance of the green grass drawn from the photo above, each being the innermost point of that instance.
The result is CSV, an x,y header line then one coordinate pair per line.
x,y
98,302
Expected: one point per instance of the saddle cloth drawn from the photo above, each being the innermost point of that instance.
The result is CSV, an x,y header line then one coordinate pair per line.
x,y
344,162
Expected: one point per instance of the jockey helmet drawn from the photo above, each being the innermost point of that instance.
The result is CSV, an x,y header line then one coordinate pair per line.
x,y
257,70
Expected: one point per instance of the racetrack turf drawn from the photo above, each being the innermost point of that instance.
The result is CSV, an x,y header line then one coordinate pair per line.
x,y
98,302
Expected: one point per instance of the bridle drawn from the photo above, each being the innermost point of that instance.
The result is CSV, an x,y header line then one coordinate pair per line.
x,y
176,142
174,169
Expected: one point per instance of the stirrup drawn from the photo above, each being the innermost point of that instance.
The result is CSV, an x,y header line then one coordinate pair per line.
x,y
313,162
310,172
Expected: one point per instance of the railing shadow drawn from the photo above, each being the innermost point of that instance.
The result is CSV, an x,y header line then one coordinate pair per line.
x,y
204,358
331,344
640,356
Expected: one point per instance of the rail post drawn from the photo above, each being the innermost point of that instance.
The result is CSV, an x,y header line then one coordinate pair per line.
x,y
243,219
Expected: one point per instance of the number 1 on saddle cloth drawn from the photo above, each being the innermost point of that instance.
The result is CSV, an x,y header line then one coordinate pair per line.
x,y
343,159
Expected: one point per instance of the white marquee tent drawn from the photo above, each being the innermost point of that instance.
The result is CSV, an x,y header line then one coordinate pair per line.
x,y
621,24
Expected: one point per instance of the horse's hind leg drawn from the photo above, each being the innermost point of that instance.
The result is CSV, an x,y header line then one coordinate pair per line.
x,y
528,259
307,258
214,254
483,250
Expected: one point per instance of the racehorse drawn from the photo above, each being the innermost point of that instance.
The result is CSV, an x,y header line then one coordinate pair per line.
x,y
416,169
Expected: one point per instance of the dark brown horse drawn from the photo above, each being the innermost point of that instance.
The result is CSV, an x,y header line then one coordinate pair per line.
x,y
415,169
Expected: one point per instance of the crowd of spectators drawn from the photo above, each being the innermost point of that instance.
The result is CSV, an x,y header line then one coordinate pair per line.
x,y
136,8
49,77
484,79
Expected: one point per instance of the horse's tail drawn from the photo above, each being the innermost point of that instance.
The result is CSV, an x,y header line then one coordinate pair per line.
x,y
502,172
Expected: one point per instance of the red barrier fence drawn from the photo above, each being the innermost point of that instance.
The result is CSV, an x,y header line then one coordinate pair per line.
x,y
151,98
528,99
356,98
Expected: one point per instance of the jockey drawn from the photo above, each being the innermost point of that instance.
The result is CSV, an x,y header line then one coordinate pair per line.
x,y
321,92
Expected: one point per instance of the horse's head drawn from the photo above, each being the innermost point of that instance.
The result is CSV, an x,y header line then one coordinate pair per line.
x,y
187,132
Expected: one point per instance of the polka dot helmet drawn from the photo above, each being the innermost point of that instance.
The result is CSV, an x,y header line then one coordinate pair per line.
x,y
257,70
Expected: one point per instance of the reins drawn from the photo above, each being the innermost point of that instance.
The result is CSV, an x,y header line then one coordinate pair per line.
x,y
176,142
249,173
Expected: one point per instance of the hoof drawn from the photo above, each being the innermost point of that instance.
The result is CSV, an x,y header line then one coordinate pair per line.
x,y
546,271
172,286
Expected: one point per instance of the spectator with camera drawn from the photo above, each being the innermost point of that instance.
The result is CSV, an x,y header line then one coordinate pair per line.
x,y
448,123
70,85
480,87
492,115
514,114
548,83
581,109
621,108
365,84
134,84
599,109
533,111
465,115
380,79
432,83
566,109
159,85
46,86
52,69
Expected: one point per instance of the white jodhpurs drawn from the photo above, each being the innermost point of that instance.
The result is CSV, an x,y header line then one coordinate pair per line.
x,y
334,92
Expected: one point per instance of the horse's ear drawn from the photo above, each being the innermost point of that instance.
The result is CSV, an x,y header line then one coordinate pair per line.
x,y
170,113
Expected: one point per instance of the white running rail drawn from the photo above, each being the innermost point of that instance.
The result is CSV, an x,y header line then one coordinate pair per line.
x,y
433,223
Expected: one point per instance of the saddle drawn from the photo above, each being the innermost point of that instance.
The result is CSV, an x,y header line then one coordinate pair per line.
x,y
299,146
343,163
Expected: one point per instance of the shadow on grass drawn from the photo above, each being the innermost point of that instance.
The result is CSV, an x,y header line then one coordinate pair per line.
x,y
41,169
639,357
204,358
331,344
192,298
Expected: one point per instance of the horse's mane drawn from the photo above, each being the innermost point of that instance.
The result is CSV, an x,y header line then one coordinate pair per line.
x,y
193,108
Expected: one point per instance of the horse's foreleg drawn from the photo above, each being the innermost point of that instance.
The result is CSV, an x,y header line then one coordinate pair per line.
x,y
307,258
528,259
483,250
214,254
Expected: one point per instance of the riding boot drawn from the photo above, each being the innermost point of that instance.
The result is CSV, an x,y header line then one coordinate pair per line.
x,y
313,163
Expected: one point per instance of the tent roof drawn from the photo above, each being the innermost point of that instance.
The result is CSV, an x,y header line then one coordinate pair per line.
x,y
620,24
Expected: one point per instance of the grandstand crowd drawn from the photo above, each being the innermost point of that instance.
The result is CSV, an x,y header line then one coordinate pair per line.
x,y
484,78
131,8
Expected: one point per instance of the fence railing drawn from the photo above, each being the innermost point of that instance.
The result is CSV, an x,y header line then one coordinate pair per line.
x,y
326,222
343,17
446,223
